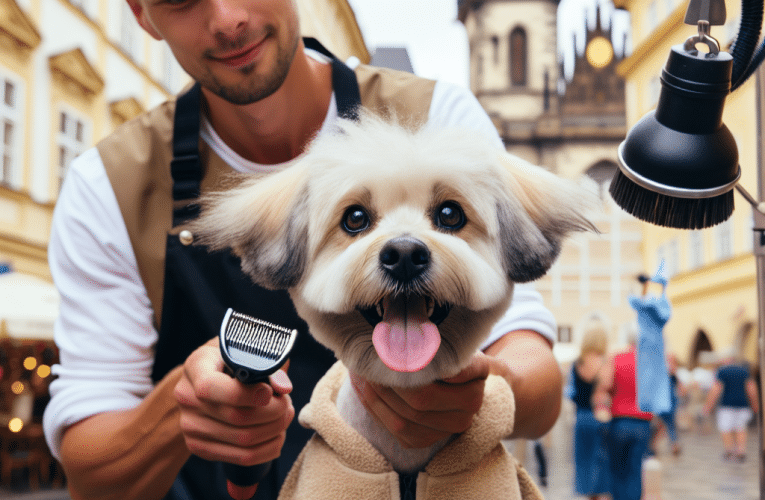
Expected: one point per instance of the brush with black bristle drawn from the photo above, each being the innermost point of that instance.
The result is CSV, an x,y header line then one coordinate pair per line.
x,y
670,211
252,349
679,164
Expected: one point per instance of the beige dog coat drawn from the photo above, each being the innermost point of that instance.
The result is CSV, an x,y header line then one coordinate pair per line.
x,y
339,464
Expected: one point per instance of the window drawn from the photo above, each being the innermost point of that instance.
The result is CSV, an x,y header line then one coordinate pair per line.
x,y
518,56
695,249
669,253
479,71
652,92
724,239
673,257
10,128
748,237
71,141
652,17
495,49
564,333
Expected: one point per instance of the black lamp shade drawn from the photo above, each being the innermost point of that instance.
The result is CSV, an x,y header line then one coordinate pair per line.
x,y
679,164
682,150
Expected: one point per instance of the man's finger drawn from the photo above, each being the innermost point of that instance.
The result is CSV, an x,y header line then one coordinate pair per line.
x,y
478,369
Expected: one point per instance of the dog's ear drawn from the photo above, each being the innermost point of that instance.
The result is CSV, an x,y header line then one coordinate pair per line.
x,y
263,221
540,211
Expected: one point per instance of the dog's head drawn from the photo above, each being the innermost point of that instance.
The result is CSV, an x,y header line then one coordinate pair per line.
x,y
399,248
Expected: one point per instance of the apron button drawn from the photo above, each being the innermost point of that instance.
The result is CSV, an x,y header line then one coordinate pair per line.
x,y
186,237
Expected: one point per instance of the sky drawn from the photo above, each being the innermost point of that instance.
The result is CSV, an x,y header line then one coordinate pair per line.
x,y
437,42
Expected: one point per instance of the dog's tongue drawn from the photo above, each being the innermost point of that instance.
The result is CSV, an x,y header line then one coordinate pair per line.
x,y
406,340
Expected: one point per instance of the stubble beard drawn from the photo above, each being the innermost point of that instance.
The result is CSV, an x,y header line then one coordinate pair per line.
x,y
255,87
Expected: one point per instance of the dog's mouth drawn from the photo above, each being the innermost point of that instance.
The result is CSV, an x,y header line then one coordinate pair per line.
x,y
405,334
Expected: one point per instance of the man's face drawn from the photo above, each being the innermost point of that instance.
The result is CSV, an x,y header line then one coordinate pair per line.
x,y
240,50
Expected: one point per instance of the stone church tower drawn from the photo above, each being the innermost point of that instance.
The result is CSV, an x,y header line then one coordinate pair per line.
x,y
514,70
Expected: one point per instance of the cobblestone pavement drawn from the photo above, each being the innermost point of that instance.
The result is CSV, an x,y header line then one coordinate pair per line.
x,y
699,473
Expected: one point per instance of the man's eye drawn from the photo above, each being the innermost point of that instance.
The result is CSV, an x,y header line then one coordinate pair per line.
x,y
176,3
355,220
450,216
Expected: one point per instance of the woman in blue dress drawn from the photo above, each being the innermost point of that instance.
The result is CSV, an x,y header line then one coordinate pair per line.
x,y
590,454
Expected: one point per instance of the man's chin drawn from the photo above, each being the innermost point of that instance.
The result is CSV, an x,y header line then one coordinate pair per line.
x,y
246,91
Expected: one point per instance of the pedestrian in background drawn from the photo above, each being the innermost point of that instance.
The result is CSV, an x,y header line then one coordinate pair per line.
x,y
668,420
653,312
702,380
737,392
591,474
630,428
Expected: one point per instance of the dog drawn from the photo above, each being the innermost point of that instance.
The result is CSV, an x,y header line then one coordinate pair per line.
x,y
400,248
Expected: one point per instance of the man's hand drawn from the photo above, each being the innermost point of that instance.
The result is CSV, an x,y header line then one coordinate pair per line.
x,y
225,420
423,416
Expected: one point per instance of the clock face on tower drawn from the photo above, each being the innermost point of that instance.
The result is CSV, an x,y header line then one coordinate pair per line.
x,y
599,52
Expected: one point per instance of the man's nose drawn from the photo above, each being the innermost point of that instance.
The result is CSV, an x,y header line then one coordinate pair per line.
x,y
227,18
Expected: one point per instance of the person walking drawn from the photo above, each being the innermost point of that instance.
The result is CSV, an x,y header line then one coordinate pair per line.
x,y
591,472
629,429
668,420
736,392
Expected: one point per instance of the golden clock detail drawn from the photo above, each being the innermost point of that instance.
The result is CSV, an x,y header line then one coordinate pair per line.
x,y
599,52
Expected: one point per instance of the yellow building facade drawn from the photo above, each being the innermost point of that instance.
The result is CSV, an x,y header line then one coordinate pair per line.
x,y
70,72
712,285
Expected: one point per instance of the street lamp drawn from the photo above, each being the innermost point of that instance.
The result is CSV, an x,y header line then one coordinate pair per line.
x,y
678,165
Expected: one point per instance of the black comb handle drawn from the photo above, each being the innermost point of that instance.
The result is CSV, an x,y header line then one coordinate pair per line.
x,y
252,349
242,481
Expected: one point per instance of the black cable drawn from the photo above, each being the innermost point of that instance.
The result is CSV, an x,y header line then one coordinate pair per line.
x,y
757,59
744,63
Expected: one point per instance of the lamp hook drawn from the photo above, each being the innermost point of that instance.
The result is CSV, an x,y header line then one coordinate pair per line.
x,y
703,37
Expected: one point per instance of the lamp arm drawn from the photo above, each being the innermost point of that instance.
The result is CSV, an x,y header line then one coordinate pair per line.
x,y
759,206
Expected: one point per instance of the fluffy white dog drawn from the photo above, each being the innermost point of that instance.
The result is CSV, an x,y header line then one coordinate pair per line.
x,y
399,248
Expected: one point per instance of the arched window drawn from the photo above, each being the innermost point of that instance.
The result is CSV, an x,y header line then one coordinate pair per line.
x,y
700,344
495,49
518,56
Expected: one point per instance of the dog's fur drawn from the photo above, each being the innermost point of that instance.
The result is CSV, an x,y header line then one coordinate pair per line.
x,y
288,229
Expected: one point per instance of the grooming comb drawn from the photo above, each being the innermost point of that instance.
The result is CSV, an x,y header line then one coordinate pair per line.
x,y
252,349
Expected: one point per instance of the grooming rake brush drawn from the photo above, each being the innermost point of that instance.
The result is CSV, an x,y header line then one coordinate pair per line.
x,y
252,349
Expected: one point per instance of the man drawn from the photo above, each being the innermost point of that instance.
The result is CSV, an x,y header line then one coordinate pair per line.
x,y
142,408
736,391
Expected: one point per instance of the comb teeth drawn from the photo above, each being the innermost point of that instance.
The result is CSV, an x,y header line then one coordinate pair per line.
x,y
257,337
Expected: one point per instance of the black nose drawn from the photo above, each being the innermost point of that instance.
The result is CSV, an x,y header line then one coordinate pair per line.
x,y
404,258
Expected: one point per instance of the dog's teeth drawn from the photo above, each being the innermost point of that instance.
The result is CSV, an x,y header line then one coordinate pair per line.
x,y
431,307
379,309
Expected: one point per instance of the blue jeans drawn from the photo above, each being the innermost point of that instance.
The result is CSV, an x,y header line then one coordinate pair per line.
x,y
627,444
669,422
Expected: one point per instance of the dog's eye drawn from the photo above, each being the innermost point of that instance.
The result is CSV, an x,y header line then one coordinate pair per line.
x,y
355,220
450,216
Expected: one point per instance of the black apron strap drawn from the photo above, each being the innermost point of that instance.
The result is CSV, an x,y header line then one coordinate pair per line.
x,y
185,167
343,82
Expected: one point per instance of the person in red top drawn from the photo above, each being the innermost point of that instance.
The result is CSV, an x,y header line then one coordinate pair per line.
x,y
629,431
